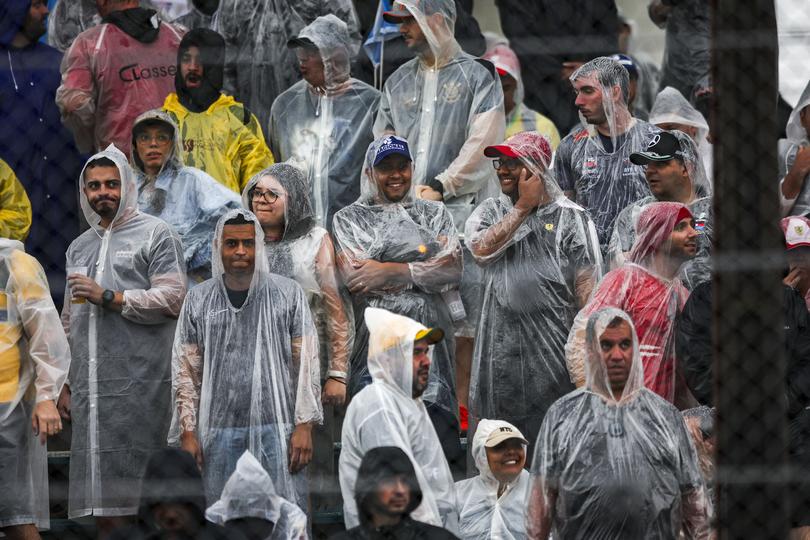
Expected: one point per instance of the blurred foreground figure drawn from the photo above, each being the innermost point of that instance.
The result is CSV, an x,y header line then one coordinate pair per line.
x,y
613,459
390,412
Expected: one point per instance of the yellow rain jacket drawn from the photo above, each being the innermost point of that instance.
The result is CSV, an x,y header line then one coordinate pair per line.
x,y
15,208
221,140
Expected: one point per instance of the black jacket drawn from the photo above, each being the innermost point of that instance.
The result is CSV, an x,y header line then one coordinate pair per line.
x,y
407,529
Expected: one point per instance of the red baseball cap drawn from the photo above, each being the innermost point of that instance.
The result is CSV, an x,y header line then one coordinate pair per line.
x,y
530,144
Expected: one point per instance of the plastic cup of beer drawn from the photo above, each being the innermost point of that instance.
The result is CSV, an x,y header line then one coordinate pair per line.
x,y
77,270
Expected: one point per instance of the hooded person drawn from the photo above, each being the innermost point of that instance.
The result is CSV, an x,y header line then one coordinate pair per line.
x,y
613,459
519,117
259,65
113,72
401,253
299,249
674,171
15,207
127,281
219,135
33,141
647,288
34,362
201,14
445,102
245,366
794,160
186,198
323,122
172,501
592,163
540,260
493,504
391,412
249,505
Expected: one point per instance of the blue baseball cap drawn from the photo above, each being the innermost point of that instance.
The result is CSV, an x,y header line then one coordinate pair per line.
x,y
392,145
628,64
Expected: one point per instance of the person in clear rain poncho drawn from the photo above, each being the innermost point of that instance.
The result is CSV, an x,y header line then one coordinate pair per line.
x,y
445,102
648,289
674,173
186,198
299,249
259,66
613,459
249,505
400,253
493,504
245,366
592,163
114,71
126,285
34,362
672,111
794,160
540,259
323,123
391,412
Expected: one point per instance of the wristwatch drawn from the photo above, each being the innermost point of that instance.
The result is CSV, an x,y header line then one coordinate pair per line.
x,y
107,298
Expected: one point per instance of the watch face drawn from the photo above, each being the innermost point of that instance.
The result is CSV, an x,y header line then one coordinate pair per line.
x,y
108,296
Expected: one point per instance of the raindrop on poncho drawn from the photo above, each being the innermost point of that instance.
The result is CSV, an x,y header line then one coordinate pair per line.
x,y
120,380
615,468
244,377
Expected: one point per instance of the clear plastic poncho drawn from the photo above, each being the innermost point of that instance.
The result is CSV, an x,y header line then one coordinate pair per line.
x,y
604,182
259,66
608,468
698,269
415,232
109,78
687,52
481,513
34,363
250,493
670,107
186,198
537,270
788,148
243,378
326,131
449,111
652,301
120,377
385,413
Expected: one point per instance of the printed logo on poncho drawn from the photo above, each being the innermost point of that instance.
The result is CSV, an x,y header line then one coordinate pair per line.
x,y
135,73
451,92
700,222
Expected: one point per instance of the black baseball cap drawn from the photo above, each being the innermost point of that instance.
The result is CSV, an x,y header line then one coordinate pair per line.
x,y
302,42
663,146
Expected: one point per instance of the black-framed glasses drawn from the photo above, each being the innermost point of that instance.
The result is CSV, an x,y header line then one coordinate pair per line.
x,y
511,165
267,196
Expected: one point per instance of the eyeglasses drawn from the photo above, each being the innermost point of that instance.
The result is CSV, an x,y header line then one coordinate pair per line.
x,y
267,196
161,138
511,165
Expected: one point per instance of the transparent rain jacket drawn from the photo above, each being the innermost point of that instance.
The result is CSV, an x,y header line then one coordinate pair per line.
x,y
788,148
109,78
249,493
243,378
608,468
34,362
449,112
534,279
120,376
306,254
603,182
385,414
671,107
225,140
326,132
15,208
186,198
421,234
259,66
698,269
652,302
482,515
